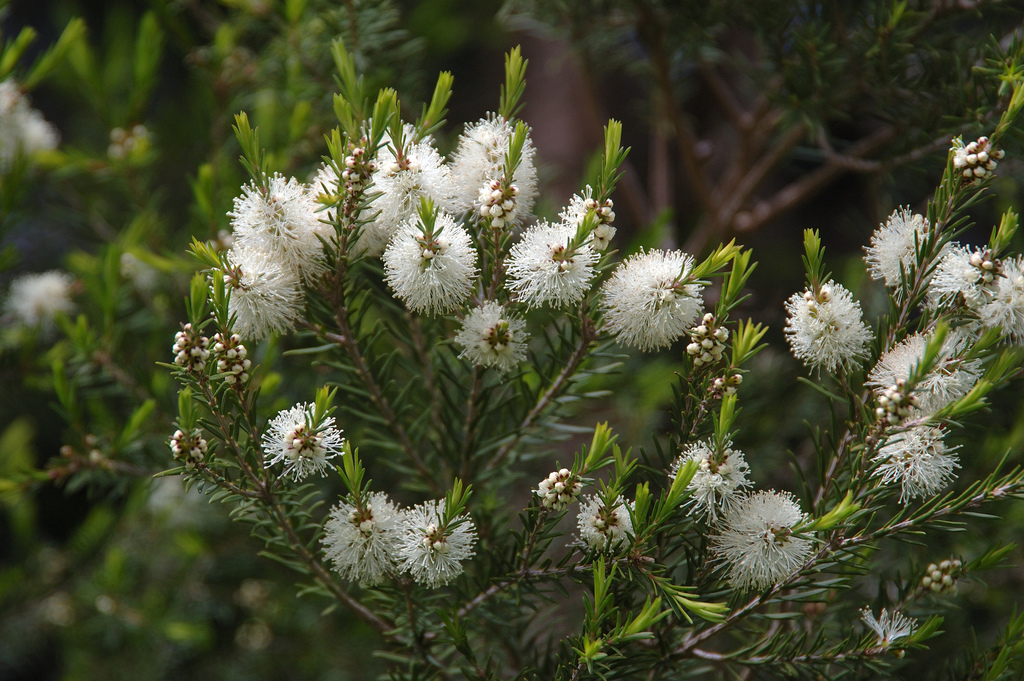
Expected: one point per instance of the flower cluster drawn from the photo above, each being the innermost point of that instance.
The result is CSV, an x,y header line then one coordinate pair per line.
x,y
372,539
941,578
432,551
649,301
479,160
406,176
358,170
361,540
431,265
190,447
546,266
757,541
559,489
191,350
975,160
952,377
990,288
23,130
266,297
498,204
602,528
918,460
707,341
293,439
894,246
825,328
896,403
720,477
490,337
231,358
35,300
281,220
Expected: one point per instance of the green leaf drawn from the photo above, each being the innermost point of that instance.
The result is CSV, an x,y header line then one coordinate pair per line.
x,y
72,34
515,84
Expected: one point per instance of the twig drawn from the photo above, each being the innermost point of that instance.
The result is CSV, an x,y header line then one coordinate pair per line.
x,y
811,183
588,333
380,401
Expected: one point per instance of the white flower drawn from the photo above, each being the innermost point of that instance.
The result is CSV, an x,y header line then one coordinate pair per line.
x,y
490,337
647,303
718,480
757,541
576,212
432,553
480,159
894,245
36,299
559,489
919,460
431,270
604,529
1005,308
888,627
284,221
363,543
266,297
826,331
951,379
23,130
542,269
304,447
961,272
420,173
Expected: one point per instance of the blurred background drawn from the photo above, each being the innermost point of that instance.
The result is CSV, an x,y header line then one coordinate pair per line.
x,y
751,121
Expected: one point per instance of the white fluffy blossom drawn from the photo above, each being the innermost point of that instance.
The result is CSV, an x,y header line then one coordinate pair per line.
x,y
826,331
363,543
284,222
961,272
951,379
889,627
719,478
602,528
542,269
1005,307
266,297
757,541
431,271
432,553
402,182
490,337
480,159
23,130
918,460
36,299
647,303
304,447
894,244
